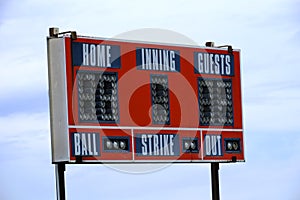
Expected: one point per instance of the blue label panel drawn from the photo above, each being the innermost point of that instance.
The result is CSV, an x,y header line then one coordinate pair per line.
x,y
157,145
85,144
158,59
213,145
211,63
96,55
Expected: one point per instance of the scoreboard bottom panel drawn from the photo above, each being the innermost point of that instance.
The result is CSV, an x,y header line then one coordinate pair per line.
x,y
132,145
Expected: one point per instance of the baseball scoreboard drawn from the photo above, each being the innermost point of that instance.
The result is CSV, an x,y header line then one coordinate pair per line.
x,y
121,101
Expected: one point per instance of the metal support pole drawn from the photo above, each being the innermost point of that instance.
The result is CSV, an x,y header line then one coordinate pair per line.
x,y
60,169
215,181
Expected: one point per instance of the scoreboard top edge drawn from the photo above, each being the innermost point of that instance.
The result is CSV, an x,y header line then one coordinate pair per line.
x,y
147,42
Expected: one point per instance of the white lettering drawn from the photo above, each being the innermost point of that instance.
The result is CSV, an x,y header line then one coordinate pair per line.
x,y
77,144
143,59
161,144
101,55
166,60
155,59
171,145
227,64
207,145
150,144
160,61
211,63
219,145
83,144
206,63
222,64
108,55
148,58
200,62
90,144
155,145
217,65
213,145
85,54
166,146
96,55
94,145
172,60
93,54
144,147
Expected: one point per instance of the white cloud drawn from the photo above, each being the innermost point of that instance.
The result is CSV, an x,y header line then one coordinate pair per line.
x,y
26,157
266,31
18,124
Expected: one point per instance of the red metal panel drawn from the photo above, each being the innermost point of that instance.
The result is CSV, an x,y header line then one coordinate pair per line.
x,y
135,106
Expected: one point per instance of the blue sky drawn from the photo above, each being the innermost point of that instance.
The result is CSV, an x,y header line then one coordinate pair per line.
x,y
268,34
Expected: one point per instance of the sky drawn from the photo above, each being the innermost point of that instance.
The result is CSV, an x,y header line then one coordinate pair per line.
x,y
268,34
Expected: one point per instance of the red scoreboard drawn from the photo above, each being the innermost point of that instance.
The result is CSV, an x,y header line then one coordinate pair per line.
x,y
119,101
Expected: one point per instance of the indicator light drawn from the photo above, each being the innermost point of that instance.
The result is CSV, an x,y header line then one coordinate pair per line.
x,y
116,145
215,102
193,145
98,96
186,145
109,144
229,146
122,145
160,99
235,145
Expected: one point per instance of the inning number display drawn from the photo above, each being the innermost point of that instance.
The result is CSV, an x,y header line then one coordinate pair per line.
x,y
160,99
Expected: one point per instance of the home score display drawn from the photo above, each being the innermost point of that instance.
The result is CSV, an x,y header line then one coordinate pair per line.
x,y
119,101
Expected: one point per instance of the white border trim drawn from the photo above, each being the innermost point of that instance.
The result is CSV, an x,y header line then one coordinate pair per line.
x,y
151,161
154,128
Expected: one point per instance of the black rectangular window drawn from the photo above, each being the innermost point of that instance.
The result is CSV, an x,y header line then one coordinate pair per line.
x,y
215,102
97,96
160,99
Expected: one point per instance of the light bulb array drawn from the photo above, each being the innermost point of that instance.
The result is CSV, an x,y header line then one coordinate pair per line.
x,y
215,102
98,96
116,144
160,99
232,145
190,145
